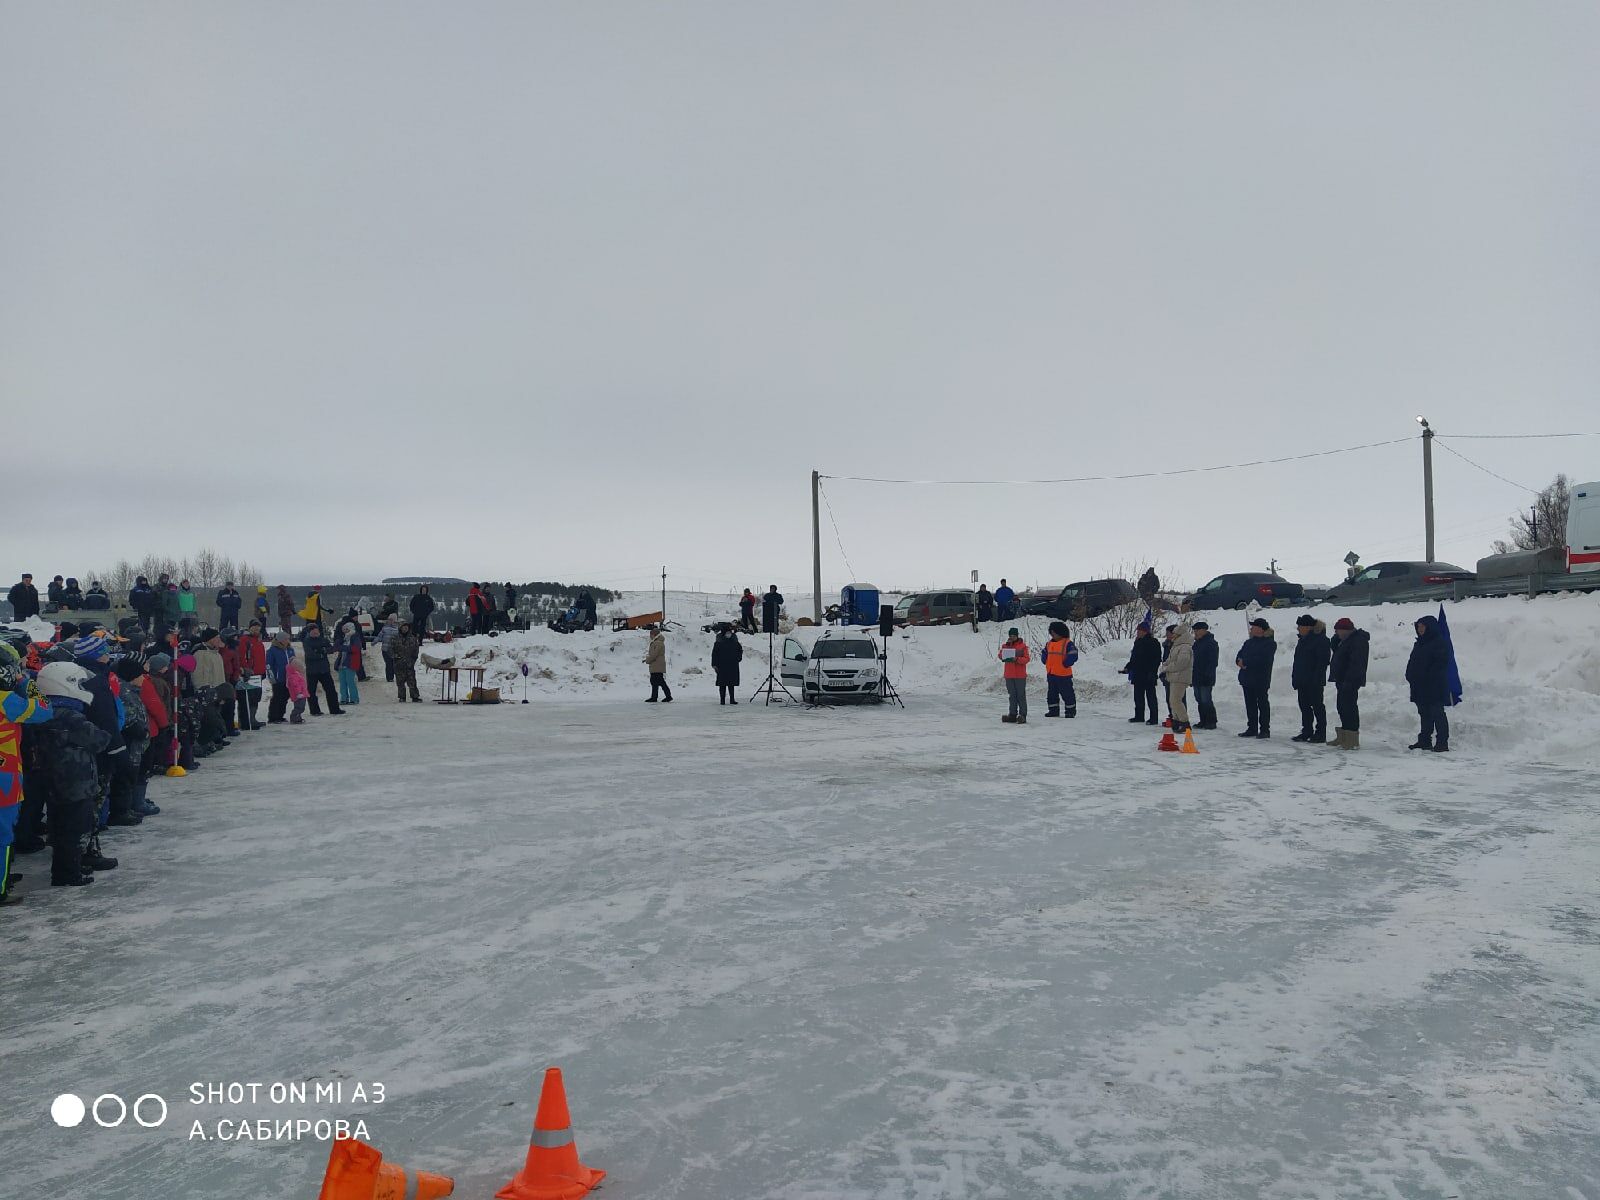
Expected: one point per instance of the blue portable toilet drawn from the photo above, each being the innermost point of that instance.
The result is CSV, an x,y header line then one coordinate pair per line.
x,y
858,604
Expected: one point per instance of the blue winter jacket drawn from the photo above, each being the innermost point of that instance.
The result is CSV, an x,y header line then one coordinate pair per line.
x,y
278,662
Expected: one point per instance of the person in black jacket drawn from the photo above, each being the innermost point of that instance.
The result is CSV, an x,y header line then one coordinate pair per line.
x,y
771,609
71,597
1144,663
422,606
726,653
1205,674
229,602
1254,661
24,598
315,649
1309,678
63,772
1428,673
144,602
1348,674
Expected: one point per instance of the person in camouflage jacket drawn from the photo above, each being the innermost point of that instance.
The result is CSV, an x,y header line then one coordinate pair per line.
x,y
404,650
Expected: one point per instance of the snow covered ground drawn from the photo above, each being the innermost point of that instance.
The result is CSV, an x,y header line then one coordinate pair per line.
x,y
868,953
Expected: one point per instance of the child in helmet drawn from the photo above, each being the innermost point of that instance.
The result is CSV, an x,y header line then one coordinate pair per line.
x,y
68,746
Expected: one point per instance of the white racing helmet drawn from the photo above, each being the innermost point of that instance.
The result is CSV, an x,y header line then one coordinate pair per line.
x,y
66,680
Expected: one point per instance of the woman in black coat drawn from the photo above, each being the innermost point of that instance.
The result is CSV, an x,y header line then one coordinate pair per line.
x,y
1144,664
726,653
1428,673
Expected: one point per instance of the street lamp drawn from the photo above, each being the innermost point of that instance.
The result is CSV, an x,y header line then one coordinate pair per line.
x,y
1427,485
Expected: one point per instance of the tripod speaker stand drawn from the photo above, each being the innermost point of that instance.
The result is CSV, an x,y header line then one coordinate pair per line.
x,y
773,684
886,690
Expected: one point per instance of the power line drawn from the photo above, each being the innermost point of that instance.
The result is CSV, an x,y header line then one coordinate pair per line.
x,y
832,520
1486,471
1511,437
1260,462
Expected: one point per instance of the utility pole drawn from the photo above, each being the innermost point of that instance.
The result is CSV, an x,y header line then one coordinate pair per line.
x,y
1427,485
663,595
816,548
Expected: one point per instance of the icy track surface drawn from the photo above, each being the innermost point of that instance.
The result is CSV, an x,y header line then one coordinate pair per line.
x,y
806,955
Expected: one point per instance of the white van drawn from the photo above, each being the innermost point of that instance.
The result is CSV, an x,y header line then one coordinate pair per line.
x,y
842,665
1583,529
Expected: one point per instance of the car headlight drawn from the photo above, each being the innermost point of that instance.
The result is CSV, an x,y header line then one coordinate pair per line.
x,y
870,673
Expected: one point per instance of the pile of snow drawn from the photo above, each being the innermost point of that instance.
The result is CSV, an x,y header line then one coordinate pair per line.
x,y
1530,668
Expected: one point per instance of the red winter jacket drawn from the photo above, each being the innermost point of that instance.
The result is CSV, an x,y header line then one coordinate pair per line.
x,y
155,709
252,655
230,663
1016,668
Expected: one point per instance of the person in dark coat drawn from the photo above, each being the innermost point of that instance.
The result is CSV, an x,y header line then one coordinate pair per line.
x,y
1428,673
64,773
144,602
1205,674
1149,585
1254,661
391,608
726,653
771,608
315,649
511,597
1348,674
1309,678
229,604
984,602
24,598
1144,664
422,606
285,609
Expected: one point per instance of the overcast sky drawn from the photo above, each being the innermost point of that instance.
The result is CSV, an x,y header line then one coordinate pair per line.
x,y
577,290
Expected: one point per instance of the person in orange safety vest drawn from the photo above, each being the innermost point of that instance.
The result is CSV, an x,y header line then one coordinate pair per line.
x,y
1059,655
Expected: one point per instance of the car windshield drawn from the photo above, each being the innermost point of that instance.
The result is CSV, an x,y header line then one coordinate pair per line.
x,y
1368,575
851,649
903,605
1071,593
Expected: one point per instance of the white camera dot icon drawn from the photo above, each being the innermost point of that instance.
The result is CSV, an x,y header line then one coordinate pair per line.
x,y
67,1110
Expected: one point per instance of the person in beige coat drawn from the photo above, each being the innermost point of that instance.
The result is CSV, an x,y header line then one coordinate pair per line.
x,y
655,661
1180,673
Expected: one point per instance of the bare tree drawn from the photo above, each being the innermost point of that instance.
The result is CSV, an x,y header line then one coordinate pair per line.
x,y
1543,524
206,571
246,576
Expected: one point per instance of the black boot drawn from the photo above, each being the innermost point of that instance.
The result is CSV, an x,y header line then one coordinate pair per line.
x,y
93,860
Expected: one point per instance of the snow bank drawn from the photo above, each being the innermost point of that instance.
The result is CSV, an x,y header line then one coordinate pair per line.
x,y
1530,668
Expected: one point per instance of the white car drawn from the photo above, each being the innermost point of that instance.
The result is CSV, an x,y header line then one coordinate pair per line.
x,y
843,664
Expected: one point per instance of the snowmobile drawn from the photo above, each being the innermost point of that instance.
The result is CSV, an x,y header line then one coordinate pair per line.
x,y
573,618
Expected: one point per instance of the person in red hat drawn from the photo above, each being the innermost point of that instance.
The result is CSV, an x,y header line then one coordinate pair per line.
x,y
1348,674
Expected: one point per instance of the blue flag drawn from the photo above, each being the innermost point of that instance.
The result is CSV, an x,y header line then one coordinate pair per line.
x,y
1455,673
1149,622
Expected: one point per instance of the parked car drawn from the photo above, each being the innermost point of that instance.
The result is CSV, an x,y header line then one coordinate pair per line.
x,y
1081,600
1384,580
1240,589
934,608
841,665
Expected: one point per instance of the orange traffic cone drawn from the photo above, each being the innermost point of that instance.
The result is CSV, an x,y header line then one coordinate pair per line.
x,y
552,1171
1188,743
1167,742
356,1171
